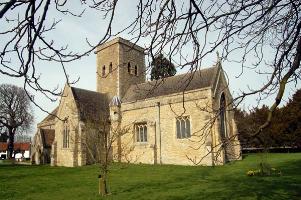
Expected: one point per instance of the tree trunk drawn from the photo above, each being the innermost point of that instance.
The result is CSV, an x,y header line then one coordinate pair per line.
x,y
10,146
103,186
105,183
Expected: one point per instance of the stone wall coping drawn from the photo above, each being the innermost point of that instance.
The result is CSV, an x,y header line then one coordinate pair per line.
x,y
119,40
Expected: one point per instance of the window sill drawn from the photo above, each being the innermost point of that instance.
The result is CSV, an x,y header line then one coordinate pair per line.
x,y
141,143
184,138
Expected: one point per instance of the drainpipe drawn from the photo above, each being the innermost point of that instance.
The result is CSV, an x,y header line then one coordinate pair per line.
x,y
155,146
159,131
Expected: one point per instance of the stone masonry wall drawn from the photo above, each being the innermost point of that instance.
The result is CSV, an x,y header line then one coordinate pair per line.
x,y
67,110
173,150
120,53
233,147
135,58
108,83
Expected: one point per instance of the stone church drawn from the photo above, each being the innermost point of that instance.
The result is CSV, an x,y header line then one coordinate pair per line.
x,y
186,119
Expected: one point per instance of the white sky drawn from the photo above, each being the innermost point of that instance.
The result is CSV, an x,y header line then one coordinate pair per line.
x,y
73,31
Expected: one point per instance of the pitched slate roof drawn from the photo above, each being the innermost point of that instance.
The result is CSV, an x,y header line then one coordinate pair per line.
x,y
175,84
92,105
47,136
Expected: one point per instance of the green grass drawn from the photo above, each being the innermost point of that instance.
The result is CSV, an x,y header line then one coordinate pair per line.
x,y
156,182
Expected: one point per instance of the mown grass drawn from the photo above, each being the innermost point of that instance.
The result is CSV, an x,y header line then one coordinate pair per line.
x,y
156,182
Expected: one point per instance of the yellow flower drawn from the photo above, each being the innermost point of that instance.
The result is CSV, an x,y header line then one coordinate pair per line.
x,y
250,173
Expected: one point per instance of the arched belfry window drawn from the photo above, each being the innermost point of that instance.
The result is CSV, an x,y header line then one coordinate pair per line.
x,y
136,70
110,67
103,70
222,116
129,67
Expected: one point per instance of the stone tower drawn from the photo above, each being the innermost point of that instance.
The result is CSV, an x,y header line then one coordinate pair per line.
x,y
120,64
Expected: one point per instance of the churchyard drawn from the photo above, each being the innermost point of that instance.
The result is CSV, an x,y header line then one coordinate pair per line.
x,y
129,181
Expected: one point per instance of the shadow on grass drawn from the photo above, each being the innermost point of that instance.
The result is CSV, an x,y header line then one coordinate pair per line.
x,y
157,182
287,186
223,182
244,156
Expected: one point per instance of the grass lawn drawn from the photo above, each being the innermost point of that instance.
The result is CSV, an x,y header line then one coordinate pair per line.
x,y
156,182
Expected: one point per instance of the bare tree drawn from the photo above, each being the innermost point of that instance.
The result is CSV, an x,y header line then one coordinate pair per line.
x,y
251,29
3,134
15,112
25,39
264,31
99,139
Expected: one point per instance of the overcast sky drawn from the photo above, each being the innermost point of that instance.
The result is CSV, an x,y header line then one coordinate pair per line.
x,y
73,31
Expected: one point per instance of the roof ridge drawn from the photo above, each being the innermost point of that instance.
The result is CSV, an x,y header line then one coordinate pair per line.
x,y
76,88
175,76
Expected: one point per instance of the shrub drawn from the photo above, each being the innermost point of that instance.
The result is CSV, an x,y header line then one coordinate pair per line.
x,y
264,170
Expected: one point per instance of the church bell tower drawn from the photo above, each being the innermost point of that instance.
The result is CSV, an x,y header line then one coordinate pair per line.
x,y
120,64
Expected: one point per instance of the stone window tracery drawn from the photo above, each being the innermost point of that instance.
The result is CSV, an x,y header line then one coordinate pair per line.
x,y
141,132
66,135
183,127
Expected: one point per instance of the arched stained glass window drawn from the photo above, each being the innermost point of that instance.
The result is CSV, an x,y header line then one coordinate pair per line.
x,y
222,116
66,135
183,127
